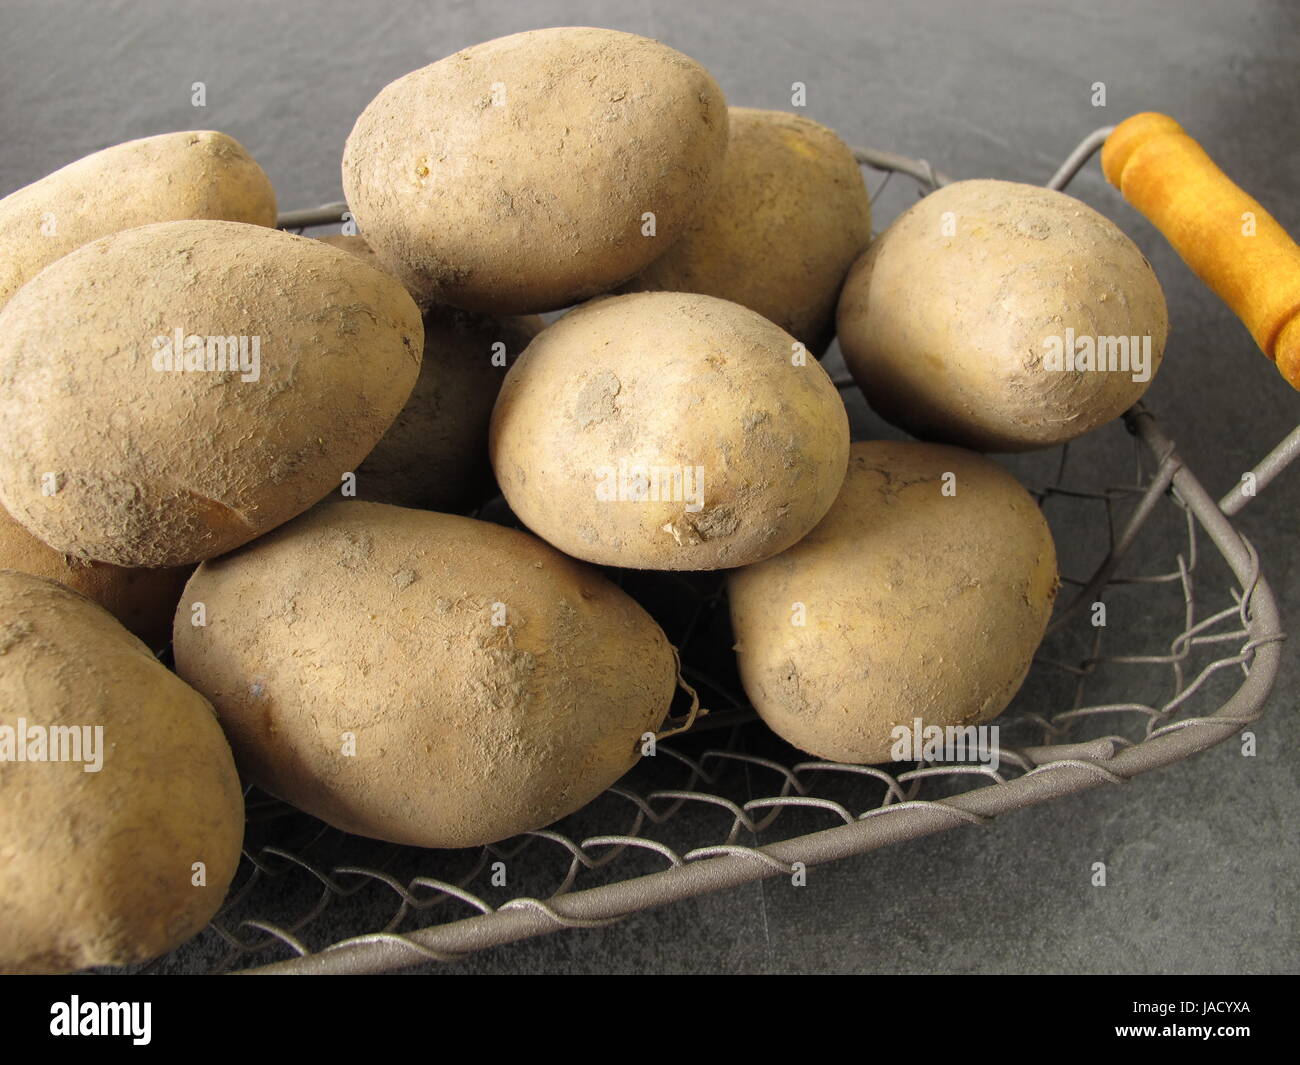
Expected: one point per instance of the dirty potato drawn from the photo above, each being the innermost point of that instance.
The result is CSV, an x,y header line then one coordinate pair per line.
x,y
195,174
1002,317
533,171
788,216
144,600
923,593
172,391
121,814
422,678
435,455
672,431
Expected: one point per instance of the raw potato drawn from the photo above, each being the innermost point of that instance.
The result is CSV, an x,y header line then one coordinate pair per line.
x,y
195,174
98,867
947,322
516,176
788,216
663,430
160,467
356,245
435,456
485,684
903,603
144,600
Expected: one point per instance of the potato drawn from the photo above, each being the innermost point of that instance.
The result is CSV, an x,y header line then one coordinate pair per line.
x,y
144,600
962,321
423,678
119,833
533,171
672,431
788,216
196,174
157,466
904,603
356,245
435,455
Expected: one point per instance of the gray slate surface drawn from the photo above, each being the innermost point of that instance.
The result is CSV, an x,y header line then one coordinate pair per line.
x,y
1202,856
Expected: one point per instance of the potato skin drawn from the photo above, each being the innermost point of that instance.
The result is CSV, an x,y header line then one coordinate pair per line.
x,y
96,867
788,216
356,244
945,334
144,600
916,604
536,203
435,455
163,468
377,621
674,381
194,174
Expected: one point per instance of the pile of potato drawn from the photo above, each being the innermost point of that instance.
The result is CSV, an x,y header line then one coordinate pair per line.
x,y
307,421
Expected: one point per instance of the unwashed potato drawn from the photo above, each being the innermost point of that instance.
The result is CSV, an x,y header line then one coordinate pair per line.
x,y
423,678
435,456
150,466
118,845
520,175
788,216
663,430
144,600
904,603
195,174
356,244
950,322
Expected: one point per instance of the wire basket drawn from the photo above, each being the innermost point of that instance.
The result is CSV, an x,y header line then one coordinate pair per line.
x,y
1188,661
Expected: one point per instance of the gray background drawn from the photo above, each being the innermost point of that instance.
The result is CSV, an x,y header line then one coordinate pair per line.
x,y
1202,856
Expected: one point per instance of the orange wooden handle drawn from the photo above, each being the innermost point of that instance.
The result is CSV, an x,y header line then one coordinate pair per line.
x,y
1230,242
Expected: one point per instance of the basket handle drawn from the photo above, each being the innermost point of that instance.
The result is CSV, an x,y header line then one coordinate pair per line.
x,y
1230,242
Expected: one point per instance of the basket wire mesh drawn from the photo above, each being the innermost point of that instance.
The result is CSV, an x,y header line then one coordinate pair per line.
x,y
727,803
